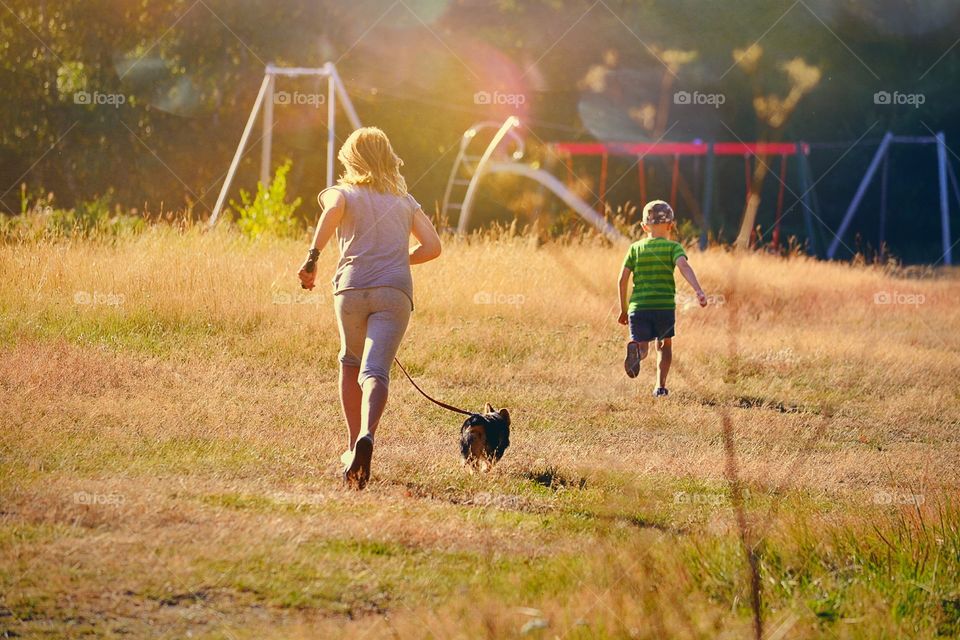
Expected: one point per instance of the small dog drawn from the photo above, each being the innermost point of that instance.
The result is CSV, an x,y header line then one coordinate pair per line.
x,y
484,437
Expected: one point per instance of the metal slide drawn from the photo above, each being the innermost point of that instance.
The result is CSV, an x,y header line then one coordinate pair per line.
x,y
485,166
560,190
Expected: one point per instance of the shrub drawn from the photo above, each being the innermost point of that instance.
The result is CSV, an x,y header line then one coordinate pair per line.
x,y
40,218
268,213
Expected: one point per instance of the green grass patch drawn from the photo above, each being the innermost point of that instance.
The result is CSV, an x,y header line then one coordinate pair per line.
x,y
354,577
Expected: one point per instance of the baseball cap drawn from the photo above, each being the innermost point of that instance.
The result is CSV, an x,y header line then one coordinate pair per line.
x,y
657,212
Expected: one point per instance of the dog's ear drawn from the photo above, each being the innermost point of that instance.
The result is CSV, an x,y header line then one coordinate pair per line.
x,y
489,408
505,414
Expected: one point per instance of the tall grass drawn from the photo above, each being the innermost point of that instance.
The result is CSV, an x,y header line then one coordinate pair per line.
x,y
171,436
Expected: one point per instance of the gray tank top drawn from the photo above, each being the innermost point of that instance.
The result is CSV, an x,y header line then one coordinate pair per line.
x,y
374,240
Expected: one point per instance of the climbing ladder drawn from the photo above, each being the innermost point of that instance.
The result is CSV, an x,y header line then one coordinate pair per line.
x,y
465,166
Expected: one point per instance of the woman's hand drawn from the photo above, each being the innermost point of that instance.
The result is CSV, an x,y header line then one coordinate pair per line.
x,y
308,272
308,275
333,205
623,317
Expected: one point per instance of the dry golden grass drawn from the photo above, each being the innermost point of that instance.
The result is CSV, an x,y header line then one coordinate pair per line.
x,y
183,385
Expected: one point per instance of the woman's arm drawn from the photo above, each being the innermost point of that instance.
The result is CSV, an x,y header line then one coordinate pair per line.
x,y
428,241
332,201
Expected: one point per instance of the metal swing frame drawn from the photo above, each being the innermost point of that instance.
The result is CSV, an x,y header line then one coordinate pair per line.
x,y
266,98
881,158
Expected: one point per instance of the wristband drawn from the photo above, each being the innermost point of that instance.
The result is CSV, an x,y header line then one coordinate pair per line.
x,y
312,260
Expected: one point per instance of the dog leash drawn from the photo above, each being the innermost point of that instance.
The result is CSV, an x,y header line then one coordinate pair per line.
x,y
424,394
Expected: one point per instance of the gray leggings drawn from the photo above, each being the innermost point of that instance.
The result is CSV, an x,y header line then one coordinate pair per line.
x,y
372,323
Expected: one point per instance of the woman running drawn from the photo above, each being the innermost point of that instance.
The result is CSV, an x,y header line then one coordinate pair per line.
x,y
373,217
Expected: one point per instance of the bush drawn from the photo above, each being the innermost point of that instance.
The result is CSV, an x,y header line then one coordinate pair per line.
x,y
268,213
40,218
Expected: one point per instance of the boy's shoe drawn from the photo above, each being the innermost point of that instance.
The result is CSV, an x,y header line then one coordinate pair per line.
x,y
660,392
358,473
632,362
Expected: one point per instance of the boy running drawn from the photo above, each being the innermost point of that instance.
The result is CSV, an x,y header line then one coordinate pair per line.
x,y
652,311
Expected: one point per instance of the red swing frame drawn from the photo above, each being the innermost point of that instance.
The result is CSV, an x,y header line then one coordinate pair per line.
x,y
640,150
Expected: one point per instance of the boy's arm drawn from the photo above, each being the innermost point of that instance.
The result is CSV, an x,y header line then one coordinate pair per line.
x,y
687,271
625,275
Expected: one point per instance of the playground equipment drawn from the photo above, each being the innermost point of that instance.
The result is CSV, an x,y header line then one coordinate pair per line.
x,y
266,99
466,164
708,151
882,155
484,166
468,171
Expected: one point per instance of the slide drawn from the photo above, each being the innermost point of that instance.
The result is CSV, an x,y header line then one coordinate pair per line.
x,y
561,191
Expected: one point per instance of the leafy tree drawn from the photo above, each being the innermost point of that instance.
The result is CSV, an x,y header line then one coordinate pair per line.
x,y
188,72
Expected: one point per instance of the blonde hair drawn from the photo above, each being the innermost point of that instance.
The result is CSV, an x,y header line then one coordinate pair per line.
x,y
368,159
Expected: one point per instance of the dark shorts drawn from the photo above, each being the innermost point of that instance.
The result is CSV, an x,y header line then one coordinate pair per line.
x,y
652,324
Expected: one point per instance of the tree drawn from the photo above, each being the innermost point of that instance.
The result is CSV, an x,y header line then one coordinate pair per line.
x,y
773,112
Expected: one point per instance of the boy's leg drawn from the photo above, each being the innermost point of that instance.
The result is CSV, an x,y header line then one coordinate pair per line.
x,y
664,358
636,352
644,349
641,332
665,323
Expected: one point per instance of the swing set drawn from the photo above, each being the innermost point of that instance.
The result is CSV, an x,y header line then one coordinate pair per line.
x,y
707,152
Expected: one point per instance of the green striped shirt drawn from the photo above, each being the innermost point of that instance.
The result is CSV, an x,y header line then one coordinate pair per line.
x,y
652,260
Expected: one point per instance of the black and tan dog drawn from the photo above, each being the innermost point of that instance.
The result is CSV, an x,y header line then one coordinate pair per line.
x,y
484,437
